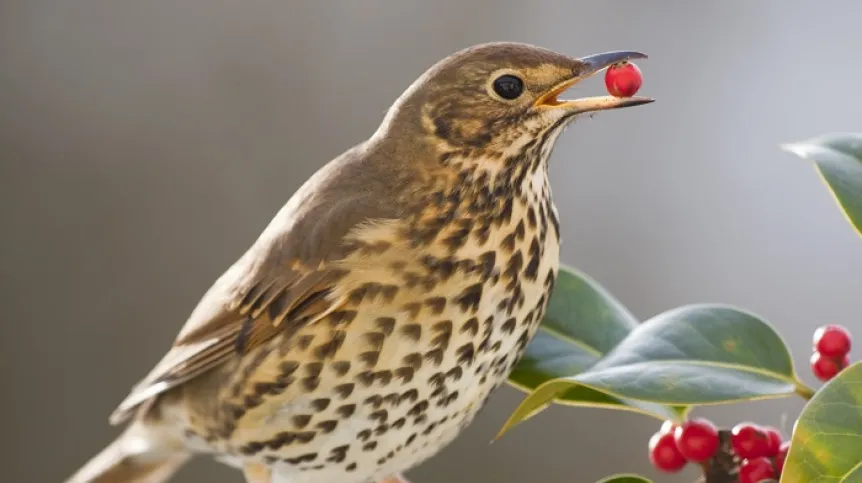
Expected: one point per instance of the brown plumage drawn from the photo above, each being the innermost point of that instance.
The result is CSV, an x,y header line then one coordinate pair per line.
x,y
393,292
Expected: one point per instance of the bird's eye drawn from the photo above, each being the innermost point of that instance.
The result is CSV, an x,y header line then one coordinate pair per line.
x,y
508,86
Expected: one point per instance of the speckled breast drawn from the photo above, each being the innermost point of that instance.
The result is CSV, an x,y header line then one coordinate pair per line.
x,y
427,332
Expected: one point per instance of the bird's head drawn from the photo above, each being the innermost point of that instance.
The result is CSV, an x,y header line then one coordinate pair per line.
x,y
490,101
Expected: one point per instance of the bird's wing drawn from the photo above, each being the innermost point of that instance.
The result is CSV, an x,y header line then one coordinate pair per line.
x,y
281,284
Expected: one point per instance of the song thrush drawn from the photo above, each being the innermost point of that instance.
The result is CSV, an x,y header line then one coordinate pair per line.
x,y
395,290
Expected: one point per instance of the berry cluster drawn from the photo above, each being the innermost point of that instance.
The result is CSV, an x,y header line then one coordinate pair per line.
x,y
761,448
831,349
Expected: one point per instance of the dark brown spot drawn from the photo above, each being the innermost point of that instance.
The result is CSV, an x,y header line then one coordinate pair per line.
x,y
506,213
531,217
389,292
488,261
405,373
375,339
380,415
435,356
412,309
508,243
385,377
455,373
398,423
350,467
471,326
531,272
312,369
340,317
327,426
363,435
320,404
470,297
443,332
369,446
374,401
514,266
305,436
366,378
306,458
301,420
465,353
304,341
412,331
437,379
418,408
369,358
346,411
410,395
385,324
338,454
508,326
413,360
437,304
340,367
311,383
329,349
344,390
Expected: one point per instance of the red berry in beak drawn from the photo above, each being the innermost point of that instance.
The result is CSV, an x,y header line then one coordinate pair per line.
x,y
623,79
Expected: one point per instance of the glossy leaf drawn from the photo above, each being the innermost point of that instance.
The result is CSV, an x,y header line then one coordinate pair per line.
x,y
582,323
827,439
838,158
693,355
624,478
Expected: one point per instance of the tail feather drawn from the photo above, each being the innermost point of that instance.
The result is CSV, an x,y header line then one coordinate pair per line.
x,y
139,455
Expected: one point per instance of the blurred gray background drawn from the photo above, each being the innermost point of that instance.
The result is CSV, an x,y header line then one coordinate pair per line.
x,y
144,145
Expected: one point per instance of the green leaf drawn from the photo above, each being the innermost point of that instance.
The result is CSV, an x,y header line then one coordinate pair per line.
x,y
693,355
624,478
838,158
582,323
827,439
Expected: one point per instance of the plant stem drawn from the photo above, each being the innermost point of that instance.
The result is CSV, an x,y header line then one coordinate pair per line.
x,y
804,391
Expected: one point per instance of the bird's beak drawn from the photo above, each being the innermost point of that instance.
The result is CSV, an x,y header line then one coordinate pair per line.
x,y
591,65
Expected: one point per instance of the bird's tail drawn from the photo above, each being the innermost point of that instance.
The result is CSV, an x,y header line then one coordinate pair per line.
x,y
141,454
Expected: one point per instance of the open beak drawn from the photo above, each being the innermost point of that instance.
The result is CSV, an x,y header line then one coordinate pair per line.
x,y
593,64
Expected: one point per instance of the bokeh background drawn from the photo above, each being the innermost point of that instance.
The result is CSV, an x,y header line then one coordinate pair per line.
x,y
144,145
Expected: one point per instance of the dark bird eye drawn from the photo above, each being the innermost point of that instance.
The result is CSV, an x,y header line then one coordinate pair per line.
x,y
508,86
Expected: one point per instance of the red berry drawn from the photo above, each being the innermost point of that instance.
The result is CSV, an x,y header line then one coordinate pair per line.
x,y
623,79
697,439
782,455
749,440
825,368
756,470
832,340
664,454
773,442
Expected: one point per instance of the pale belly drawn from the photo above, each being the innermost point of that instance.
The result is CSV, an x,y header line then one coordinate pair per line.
x,y
407,379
